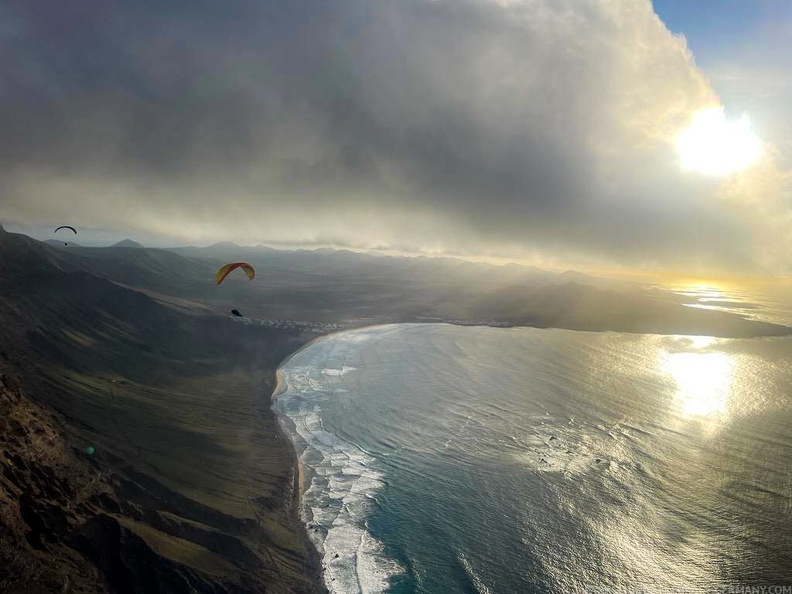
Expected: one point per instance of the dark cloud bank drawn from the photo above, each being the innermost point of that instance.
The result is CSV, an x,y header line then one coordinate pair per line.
x,y
469,126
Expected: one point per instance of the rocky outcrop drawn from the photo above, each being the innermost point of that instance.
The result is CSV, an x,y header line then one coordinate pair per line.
x,y
43,488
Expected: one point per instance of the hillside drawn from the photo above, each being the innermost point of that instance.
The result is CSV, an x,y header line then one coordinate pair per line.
x,y
58,243
190,486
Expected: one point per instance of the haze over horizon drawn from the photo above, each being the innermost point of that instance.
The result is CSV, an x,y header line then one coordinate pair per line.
x,y
534,130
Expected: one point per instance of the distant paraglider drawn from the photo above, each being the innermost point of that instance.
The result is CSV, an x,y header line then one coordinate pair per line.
x,y
226,270
66,227
236,313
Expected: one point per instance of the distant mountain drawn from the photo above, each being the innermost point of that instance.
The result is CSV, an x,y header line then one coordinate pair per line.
x,y
223,245
225,251
127,243
573,276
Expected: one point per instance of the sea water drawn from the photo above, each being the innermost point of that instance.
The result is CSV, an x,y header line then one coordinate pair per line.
x,y
446,459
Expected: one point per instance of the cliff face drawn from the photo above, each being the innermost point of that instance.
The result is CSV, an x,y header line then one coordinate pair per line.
x,y
189,485
44,494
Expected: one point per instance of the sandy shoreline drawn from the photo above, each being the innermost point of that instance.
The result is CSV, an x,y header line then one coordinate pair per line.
x,y
303,476
281,387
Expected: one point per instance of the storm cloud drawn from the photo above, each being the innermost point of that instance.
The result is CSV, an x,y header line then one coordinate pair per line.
x,y
467,126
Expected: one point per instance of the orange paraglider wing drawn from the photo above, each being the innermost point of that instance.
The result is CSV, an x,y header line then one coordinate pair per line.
x,y
226,270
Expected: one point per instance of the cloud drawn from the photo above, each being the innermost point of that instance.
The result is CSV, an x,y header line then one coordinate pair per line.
x,y
472,126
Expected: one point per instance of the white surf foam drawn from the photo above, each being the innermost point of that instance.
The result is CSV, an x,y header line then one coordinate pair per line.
x,y
338,372
481,588
344,479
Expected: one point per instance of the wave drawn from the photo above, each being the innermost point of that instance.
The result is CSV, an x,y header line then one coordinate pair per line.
x,y
344,479
474,578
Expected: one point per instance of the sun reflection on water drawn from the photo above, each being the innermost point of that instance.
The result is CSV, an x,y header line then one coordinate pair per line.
x,y
703,381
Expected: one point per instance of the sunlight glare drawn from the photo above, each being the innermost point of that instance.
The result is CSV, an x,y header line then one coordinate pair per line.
x,y
701,342
715,146
703,381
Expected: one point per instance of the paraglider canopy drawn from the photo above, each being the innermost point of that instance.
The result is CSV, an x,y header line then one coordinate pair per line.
x,y
226,270
236,313
66,227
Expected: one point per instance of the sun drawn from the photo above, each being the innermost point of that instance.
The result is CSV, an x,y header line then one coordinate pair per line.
x,y
713,145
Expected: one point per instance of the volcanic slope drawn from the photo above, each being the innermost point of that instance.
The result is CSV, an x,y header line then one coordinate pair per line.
x,y
190,486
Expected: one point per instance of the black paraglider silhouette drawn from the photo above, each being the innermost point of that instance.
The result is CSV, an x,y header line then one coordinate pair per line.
x,y
66,227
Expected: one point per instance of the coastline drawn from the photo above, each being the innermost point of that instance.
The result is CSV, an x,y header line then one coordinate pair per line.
x,y
327,522
302,477
299,478
280,388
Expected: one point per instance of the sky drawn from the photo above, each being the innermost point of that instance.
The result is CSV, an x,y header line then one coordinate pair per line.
x,y
744,47
541,131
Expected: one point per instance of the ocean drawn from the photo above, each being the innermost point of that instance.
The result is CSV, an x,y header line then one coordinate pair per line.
x,y
444,459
